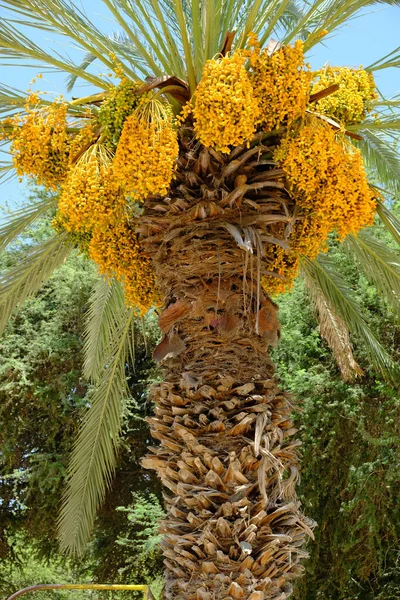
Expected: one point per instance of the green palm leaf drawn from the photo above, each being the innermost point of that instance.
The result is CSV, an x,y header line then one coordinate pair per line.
x,y
6,171
94,455
321,15
88,59
19,220
14,46
387,103
389,60
380,264
145,46
390,221
33,271
103,318
65,18
381,158
385,124
343,302
333,329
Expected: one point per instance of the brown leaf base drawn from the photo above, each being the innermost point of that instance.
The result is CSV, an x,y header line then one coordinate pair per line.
x,y
234,529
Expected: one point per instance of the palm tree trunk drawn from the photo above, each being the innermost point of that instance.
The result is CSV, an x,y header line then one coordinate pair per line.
x,y
226,453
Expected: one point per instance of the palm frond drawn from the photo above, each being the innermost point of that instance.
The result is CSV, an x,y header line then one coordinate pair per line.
x,y
14,46
287,14
380,264
390,221
66,18
333,330
164,14
19,220
389,60
72,78
32,272
6,171
144,45
94,455
322,15
187,49
381,158
343,302
383,103
103,318
147,51
11,100
386,124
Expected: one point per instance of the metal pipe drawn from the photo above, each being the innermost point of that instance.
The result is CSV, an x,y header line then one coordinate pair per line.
x,y
81,586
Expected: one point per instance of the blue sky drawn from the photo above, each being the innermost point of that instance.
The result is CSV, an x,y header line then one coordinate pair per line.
x,y
364,40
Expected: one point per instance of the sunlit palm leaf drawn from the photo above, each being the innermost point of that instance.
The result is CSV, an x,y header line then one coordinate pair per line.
x,y
94,455
333,330
386,124
342,299
12,226
322,15
103,318
6,171
144,46
387,103
160,12
88,59
390,221
380,264
14,46
381,158
66,18
389,60
32,272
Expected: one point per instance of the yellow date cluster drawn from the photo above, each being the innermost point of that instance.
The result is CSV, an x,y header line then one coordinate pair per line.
x,y
116,251
40,143
145,156
249,90
350,104
326,176
225,108
281,83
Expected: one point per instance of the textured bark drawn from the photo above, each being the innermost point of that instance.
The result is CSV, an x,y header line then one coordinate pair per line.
x,y
226,452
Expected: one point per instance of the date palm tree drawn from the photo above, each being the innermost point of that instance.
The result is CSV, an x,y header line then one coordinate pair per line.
x,y
226,452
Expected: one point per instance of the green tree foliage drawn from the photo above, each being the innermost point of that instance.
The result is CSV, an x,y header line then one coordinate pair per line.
x,y
43,396
24,568
141,541
351,449
42,392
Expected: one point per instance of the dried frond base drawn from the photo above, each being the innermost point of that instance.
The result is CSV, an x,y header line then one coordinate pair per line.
x,y
234,528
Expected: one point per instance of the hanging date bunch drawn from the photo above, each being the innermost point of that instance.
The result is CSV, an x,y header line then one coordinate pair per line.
x,y
40,141
103,157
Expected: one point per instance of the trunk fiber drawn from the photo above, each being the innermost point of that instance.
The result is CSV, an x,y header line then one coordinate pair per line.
x,y
226,453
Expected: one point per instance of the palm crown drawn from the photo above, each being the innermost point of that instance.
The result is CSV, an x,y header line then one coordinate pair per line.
x,y
210,119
